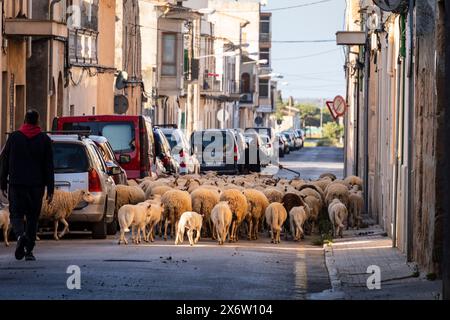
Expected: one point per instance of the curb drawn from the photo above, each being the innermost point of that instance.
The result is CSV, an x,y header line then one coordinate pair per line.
x,y
336,292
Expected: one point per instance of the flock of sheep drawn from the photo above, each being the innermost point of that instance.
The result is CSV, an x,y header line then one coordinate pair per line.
x,y
224,207
219,207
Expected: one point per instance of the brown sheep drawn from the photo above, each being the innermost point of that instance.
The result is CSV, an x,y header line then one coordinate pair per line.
x,y
203,201
175,203
238,205
257,204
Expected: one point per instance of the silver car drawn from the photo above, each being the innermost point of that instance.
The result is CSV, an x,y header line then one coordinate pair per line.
x,y
79,165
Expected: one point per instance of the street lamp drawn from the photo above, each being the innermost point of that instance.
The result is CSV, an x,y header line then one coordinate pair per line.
x,y
262,61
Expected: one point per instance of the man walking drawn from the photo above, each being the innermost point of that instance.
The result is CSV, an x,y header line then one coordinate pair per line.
x,y
27,166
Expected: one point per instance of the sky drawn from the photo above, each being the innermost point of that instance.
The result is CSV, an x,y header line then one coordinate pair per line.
x,y
319,72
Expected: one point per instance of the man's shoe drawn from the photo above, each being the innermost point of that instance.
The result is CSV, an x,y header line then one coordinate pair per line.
x,y
20,248
29,256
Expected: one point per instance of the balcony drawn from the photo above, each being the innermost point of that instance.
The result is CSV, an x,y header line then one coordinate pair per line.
x,y
211,84
35,28
265,37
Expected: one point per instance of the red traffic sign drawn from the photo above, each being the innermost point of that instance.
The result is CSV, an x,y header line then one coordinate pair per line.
x,y
337,107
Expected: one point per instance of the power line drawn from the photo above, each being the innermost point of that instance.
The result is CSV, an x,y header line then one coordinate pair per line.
x,y
303,41
297,6
306,56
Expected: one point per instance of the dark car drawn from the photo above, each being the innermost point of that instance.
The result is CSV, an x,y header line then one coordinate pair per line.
x,y
163,153
242,149
256,155
114,169
216,150
283,147
290,140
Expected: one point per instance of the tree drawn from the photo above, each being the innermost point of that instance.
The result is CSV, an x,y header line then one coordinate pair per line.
x,y
309,114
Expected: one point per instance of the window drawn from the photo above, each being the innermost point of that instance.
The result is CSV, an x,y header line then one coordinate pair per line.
x,y
120,135
70,158
245,82
265,54
264,88
169,54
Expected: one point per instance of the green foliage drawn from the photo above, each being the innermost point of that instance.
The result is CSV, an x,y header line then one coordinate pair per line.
x,y
333,132
310,115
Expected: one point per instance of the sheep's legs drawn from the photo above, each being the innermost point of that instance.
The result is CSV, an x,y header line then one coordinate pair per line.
x,y
233,226
166,224
250,227
55,233
198,235
66,228
191,236
5,235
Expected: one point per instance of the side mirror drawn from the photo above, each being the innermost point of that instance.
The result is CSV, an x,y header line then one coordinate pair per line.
x,y
113,169
124,158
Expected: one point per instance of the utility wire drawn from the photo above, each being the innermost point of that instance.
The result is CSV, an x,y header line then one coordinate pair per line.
x,y
297,6
306,56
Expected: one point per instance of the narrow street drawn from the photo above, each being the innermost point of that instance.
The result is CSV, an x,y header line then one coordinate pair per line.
x,y
246,270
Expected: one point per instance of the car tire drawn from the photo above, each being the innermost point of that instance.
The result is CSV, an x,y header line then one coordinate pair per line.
x,y
112,228
99,229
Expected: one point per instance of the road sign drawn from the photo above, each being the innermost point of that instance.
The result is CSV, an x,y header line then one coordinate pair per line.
x,y
337,107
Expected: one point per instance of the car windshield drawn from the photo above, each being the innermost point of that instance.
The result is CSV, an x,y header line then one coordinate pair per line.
x,y
70,158
119,134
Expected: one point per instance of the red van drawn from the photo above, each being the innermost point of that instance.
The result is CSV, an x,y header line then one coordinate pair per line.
x,y
131,138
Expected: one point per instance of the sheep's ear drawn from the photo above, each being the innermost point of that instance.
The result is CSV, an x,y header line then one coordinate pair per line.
x,y
149,206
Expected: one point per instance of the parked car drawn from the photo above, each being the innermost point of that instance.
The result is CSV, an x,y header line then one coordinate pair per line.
x,y
301,134
131,138
283,145
79,165
290,140
163,153
256,154
242,150
181,150
116,171
267,143
295,138
217,150
263,130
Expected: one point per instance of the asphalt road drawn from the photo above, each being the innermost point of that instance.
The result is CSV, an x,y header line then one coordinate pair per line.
x,y
246,270
312,162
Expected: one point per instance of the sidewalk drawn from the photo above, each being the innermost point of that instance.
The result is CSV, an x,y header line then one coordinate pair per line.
x,y
347,260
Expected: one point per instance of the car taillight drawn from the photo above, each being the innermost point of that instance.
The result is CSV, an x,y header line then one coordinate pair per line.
x,y
95,184
235,153
181,153
269,145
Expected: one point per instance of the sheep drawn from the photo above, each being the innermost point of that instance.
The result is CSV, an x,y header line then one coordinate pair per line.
x,y
356,203
238,205
191,185
337,212
153,218
312,190
4,223
291,200
128,195
273,195
191,221
221,217
354,180
313,208
203,201
61,208
132,183
275,216
297,217
175,202
328,175
135,216
336,191
256,207
159,190
322,183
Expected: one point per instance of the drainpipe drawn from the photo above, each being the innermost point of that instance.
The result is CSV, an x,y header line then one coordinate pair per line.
x,y
50,64
410,202
366,122
30,16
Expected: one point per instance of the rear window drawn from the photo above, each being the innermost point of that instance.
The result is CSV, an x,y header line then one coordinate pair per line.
x,y
119,134
70,158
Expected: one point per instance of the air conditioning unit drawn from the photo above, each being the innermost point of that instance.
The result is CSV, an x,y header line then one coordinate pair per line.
x,y
246,97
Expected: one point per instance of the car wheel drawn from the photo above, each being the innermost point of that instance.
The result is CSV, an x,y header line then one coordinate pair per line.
x,y
99,229
111,228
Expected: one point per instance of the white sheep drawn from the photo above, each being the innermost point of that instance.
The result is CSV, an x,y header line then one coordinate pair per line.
x,y
337,212
135,216
4,223
275,217
221,217
297,218
193,222
356,203
61,208
153,218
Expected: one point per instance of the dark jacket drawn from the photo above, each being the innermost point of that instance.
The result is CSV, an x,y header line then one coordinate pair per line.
x,y
27,162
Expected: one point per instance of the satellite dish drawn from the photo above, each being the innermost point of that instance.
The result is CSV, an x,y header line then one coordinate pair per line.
x,y
120,104
396,6
121,80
